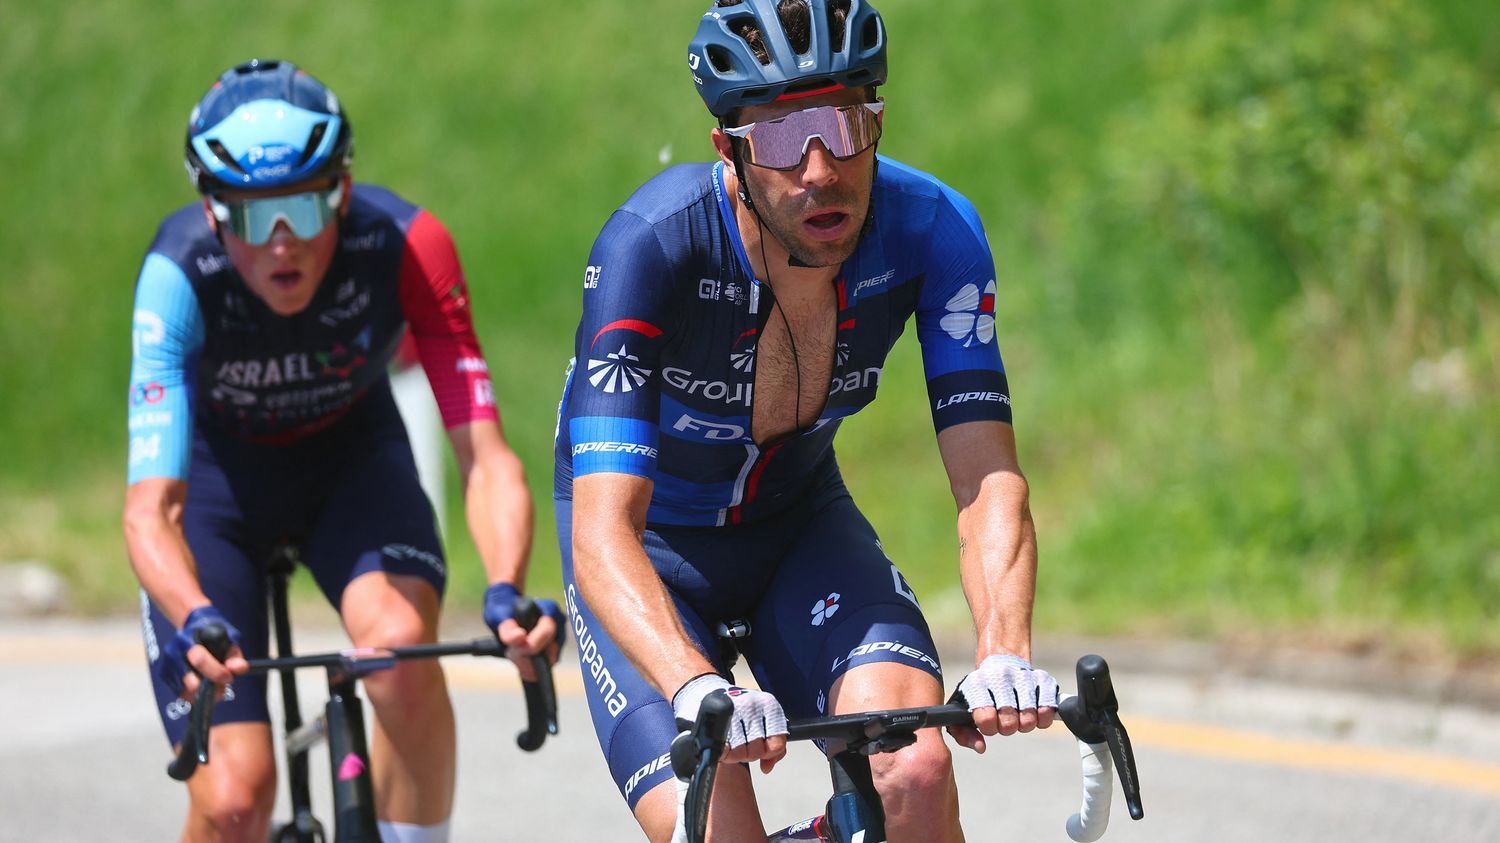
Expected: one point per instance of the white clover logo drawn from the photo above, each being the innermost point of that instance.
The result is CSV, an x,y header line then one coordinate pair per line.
x,y
971,315
615,374
824,609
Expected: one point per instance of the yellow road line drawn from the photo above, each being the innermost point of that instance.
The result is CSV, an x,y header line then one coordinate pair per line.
x,y
1383,762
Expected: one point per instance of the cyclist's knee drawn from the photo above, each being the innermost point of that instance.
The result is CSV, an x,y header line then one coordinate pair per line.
x,y
232,804
408,693
396,629
920,775
385,611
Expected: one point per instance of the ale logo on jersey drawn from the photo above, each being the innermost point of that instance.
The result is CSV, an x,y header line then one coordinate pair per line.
x,y
617,371
971,315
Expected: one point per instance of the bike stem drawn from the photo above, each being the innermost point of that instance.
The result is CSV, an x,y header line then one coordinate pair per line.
x,y
855,805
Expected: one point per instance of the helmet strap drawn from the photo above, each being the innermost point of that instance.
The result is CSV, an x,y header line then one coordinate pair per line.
x,y
742,187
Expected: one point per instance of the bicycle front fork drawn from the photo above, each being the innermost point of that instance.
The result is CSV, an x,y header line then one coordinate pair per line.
x,y
352,791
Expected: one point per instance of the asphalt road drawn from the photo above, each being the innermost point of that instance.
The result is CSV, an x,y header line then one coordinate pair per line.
x,y
1222,758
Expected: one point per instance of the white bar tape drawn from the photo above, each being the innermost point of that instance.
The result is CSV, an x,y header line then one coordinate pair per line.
x,y
1089,823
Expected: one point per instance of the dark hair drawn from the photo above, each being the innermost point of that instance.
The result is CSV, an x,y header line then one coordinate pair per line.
x,y
796,22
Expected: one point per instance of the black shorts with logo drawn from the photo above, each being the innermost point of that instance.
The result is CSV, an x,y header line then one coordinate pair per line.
x,y
349,497
818,591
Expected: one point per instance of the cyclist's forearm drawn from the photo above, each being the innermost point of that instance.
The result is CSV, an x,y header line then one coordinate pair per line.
x,y
159,553
617,580
997,561
499,510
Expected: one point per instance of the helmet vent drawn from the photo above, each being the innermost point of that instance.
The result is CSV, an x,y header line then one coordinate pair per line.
x,y
796,24
750,34
818,83
871,34
313,141
720,58
223,154
257,66
838,15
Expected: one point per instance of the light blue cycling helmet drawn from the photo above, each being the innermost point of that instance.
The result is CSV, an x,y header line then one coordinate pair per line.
x,y
729,75
265,124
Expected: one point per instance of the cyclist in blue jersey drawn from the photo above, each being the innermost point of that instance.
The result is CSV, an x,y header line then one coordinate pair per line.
x,y
733,315
261,411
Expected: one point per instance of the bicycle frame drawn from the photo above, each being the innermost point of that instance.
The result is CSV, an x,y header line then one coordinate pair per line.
x,y
855,813
342,723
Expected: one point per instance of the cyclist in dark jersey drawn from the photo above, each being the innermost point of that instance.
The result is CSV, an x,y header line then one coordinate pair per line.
x,y
261,410
733,315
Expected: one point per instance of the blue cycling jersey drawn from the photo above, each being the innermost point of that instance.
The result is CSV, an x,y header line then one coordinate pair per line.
x,y
209,353
662,380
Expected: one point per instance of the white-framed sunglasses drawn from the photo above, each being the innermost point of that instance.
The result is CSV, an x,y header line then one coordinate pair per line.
x,y
306,214
782,143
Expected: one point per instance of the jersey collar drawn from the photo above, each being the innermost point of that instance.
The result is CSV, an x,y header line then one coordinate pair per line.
x,y
731,223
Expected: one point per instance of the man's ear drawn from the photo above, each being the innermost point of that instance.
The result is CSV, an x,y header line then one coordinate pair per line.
x,y
348,184
208,213
724,145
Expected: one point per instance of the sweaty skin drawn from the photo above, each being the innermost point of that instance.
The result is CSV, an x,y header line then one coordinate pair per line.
x,y
648,370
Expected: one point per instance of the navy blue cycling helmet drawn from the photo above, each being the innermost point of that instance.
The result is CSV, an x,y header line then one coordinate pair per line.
x,y
729,75
265,124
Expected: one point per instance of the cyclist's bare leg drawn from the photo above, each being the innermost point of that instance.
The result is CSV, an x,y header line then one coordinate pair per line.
x,y
412,742
916,784
733,816
231,799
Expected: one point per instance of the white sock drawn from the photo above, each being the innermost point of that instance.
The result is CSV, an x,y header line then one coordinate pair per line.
x,y
408,833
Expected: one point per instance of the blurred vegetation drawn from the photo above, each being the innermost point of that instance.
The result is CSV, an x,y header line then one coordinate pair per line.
x,y
1248,257
1294,240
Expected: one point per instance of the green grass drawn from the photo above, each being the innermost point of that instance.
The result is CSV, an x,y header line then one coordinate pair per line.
x,y
1210,452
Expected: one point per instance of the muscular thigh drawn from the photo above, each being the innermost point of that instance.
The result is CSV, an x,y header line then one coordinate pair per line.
x,y
836,603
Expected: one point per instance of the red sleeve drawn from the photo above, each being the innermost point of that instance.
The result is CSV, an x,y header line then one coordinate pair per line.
x,y
435,301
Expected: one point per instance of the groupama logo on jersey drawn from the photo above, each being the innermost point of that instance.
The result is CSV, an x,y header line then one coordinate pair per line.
x,y
971,314
742,357
617,372
824,609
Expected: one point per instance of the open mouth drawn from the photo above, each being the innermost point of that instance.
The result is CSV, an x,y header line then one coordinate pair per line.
x,y
286,278
827,221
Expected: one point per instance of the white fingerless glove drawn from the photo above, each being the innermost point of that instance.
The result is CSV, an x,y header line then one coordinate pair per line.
x,y
756,714
1007,682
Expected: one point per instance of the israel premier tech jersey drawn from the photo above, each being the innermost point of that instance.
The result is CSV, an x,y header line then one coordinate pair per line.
x,y
664,369
208,352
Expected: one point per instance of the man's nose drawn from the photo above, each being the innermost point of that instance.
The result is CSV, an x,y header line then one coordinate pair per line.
x,y
819,167
282,236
